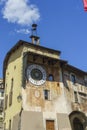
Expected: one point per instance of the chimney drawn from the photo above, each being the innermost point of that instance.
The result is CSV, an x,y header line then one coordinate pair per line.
x,y
35,39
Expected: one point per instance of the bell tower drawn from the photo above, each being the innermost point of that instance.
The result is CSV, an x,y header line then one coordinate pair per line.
x,y
35,39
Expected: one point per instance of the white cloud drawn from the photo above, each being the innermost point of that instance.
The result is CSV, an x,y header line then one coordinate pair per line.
x,y
23,31
20,12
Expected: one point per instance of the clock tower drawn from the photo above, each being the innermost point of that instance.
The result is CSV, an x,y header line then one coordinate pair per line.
x,y
42,88
35,94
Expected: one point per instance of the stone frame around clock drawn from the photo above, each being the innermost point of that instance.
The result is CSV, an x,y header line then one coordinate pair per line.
x,y
41,69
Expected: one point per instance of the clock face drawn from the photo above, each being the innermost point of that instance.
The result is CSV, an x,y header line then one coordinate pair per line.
x,y
36,74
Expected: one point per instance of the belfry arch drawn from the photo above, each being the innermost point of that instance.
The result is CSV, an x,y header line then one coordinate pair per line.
x,y
78,120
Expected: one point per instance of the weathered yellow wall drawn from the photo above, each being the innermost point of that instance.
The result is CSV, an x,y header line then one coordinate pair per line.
x,y
14,70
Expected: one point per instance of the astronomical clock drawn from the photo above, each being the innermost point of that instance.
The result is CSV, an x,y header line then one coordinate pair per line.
x,y
36,74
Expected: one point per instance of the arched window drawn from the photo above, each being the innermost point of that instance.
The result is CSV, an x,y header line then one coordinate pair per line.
x,y
51,77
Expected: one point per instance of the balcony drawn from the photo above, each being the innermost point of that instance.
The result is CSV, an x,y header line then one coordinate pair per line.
x,y
80,88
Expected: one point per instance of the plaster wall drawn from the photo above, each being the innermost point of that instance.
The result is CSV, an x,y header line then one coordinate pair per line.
x,y
61,121
13,71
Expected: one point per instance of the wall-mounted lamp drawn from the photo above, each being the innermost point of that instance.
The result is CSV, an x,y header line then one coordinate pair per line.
x,y
19,98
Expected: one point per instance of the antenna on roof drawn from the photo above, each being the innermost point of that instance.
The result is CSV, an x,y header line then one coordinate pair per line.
x,y
35,39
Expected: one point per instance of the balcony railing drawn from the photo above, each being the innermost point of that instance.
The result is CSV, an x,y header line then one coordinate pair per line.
x,y
79,88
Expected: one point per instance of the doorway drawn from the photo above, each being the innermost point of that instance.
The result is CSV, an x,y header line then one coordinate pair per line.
x,y
77,124
78,120
50,125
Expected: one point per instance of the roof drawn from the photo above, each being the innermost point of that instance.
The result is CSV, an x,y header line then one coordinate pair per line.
x,y
75,69
21,42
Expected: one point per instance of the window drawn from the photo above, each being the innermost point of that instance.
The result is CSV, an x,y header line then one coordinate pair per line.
x,y
76,97
6,101
73,78
47,94
51,78
11,93
10,98
1,103
9,124
12,81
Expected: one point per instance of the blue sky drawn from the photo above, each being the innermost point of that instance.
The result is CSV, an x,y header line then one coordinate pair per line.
x,y
62,25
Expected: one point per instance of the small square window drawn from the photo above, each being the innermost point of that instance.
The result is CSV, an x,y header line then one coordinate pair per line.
x,y
47,94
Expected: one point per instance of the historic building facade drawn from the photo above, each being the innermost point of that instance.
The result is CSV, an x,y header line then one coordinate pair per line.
x,y
42,92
